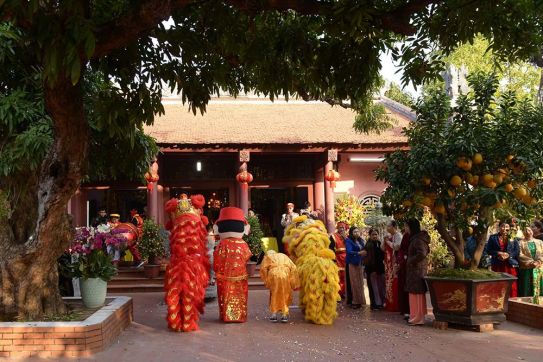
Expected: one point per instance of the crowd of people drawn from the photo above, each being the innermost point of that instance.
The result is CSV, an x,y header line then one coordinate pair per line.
x,y
393,265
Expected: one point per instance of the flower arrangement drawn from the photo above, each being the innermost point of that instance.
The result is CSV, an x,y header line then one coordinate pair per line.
x,y
350,210
89,258
151,244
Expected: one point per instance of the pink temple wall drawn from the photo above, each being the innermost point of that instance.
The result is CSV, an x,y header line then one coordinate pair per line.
x,y
358,179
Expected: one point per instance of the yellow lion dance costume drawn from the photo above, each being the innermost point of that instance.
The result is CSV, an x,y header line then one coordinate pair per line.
x,y
319,277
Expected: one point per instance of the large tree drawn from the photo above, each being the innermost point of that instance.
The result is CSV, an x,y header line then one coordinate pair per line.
x,y
316,49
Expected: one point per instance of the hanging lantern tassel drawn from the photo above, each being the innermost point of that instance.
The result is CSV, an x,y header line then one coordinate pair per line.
x,y
332,176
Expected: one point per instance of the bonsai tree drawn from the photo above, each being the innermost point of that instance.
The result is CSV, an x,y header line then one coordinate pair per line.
x,y
254,239
151,244
467,161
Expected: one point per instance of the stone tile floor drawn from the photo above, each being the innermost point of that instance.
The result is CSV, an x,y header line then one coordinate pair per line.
x,y
359,335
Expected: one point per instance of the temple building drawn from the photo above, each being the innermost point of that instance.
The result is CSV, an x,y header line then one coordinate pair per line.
x,y
286,148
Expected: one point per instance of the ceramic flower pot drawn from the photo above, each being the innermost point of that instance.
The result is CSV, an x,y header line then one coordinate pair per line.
x,y
93,292
251,268
151,271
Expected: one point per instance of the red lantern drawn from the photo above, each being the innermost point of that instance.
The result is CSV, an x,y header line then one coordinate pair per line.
x,y
150,178
332,176
244,177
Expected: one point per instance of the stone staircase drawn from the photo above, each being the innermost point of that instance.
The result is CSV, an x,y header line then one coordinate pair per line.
x,y
132,280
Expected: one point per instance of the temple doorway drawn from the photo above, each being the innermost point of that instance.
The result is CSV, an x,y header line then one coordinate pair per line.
x,y
269,203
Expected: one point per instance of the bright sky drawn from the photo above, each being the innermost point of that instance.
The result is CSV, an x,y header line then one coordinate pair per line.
x,y
389,73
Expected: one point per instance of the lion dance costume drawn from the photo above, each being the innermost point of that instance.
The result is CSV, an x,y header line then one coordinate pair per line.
x,y
187,273
319,275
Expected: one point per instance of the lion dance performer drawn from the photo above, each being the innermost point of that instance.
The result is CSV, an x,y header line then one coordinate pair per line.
x,y
187,273
229,263
319,275
280,276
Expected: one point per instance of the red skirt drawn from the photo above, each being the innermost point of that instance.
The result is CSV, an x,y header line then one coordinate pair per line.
x,y
506,268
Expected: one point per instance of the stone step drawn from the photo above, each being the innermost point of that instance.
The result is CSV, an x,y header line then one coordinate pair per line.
x,y
122,280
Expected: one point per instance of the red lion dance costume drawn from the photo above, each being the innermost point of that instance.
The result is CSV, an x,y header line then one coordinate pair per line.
x,y
187,273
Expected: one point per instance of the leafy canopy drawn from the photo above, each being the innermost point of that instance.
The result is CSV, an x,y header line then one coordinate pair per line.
x,y
326,50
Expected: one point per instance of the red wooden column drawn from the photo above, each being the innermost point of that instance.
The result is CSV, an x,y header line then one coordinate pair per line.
x,y
160,204
329,193
318,187
244,157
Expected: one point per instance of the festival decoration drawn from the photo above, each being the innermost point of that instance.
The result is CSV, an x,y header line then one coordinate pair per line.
x,y
187,274
332,176
244,177
319,275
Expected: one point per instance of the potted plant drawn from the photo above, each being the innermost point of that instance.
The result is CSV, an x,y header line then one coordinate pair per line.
x,y
151,248
254,240
91,264
464,165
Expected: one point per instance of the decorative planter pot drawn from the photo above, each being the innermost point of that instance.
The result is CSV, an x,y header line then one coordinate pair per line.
x,y
251,268
151,271
470,302
93,292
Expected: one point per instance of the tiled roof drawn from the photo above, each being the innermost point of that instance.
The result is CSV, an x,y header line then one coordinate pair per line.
x,y
257,121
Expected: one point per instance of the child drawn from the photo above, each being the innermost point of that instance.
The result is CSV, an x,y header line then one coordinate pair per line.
x,y
280,276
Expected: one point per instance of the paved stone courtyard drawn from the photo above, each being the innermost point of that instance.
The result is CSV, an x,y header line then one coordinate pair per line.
x,y
356,335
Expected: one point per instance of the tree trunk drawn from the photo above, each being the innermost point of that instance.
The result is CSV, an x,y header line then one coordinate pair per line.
x,y
455,244
28,268
540,90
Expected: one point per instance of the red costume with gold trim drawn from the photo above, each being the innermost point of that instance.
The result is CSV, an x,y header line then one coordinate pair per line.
x,y
187,273
341,255
229,263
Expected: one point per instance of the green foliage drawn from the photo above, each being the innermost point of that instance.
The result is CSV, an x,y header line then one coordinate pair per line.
x,y
151,243
476,274
395,93
95,264
439,256
443,142
350,210
254,239
520,77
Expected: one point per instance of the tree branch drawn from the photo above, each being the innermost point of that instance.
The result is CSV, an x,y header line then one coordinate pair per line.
x,y
398,20
122,31
333,102
304,7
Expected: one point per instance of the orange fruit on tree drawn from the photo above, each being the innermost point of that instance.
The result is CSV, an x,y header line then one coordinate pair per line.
x,y
426,201
451,193
510,158
439,209
456,181
498,178
461,162
532,184
508,187
492,185
477,159
426,181
407,203
487,179
520,192
470,230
